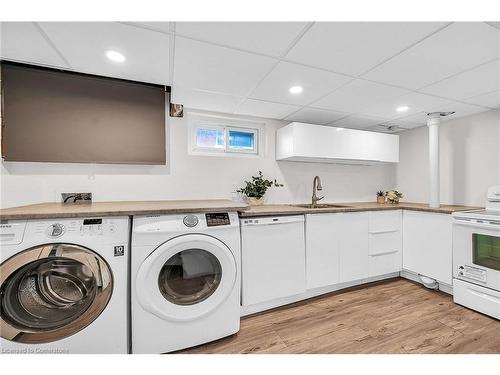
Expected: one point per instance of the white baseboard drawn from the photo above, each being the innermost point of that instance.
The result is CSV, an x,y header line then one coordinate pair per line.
x,y
414,277
252,309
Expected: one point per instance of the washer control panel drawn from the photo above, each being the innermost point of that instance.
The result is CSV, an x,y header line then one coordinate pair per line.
x,y
85,227
215,219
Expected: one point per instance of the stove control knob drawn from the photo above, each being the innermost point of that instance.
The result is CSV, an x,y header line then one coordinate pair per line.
x,y
190,221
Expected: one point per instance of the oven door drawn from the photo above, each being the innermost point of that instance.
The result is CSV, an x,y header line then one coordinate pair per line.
x,y
476,252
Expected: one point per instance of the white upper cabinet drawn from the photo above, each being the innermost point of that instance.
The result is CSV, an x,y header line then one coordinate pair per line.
x,y
315,143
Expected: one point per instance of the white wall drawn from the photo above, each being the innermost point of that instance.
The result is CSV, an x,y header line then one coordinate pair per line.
x,y
191,177
470,160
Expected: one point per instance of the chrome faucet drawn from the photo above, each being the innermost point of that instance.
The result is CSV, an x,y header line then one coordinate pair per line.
x,y
316,186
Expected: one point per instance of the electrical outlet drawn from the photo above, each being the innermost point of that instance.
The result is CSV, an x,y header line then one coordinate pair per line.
x,y
76,197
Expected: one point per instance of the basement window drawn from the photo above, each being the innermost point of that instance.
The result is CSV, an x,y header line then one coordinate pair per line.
x,y
222,136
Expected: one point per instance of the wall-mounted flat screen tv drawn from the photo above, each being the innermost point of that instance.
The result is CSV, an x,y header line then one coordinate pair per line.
x,y
64,117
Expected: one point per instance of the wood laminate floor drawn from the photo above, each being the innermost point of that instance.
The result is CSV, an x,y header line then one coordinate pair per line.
x,y
394,316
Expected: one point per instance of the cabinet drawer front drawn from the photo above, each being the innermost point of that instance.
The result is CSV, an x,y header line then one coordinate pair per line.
x,y
385,221
385,243
477,298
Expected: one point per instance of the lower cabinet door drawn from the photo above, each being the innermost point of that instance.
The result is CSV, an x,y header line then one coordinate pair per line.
x,y
427,244
353,246
322,250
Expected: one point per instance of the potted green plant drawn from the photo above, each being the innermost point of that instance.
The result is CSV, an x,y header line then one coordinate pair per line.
x,y
256,189
380,197
393,196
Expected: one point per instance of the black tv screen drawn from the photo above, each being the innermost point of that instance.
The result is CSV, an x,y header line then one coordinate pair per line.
x,y
64,117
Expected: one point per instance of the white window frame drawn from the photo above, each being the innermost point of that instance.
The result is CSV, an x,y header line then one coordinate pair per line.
x,y
226,124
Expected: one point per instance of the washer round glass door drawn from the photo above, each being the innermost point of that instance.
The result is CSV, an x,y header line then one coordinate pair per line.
x,y
52,291
186,277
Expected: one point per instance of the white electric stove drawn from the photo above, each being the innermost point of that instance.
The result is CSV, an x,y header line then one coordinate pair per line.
x,y
476,257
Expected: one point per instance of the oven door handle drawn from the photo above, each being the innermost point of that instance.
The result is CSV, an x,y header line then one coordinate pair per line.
x,y
475,224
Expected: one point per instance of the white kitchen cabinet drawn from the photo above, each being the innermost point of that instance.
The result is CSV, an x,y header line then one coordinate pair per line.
x,y
316,143
427,244
322,250
353,246
273,258
385,242
344,247
336,248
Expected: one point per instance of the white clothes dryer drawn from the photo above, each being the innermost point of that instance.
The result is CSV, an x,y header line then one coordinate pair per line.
x,y
185,273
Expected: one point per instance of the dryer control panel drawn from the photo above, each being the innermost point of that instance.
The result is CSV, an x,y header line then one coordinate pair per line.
x,y
215,219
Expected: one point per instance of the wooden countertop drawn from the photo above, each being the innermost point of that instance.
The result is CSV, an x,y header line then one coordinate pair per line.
x,y
287,209
121,208
131,208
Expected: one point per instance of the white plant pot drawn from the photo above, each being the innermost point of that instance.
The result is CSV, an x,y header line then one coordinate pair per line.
x,y
252,201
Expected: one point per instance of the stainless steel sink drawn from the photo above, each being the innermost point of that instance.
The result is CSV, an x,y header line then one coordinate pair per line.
x,y
324,205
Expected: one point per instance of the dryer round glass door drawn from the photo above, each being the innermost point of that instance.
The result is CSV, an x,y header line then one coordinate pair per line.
x,y
190,276
52,291
186,277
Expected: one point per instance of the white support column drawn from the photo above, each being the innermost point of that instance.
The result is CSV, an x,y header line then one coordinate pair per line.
x,y
433,121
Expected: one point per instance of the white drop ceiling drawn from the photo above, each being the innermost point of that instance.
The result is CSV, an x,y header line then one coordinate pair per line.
x,y
354,74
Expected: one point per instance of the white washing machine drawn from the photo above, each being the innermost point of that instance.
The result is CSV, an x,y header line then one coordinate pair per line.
x,y
185,280
63,285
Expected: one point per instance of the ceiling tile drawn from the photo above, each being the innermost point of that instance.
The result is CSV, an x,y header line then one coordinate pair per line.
x,y
84,44
355,47
163,27
21,41
388,127
200,65
490,100
359,95
386,107
480,80
261,108
358,122
209,101
315,82
460,109
420,118
315,116
411,121
456,48
272,38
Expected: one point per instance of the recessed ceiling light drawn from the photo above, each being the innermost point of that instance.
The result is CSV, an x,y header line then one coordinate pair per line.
x,y
296,89
340,129
402,108
115,56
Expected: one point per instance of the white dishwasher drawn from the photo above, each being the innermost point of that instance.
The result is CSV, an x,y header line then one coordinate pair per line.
x,y
273,258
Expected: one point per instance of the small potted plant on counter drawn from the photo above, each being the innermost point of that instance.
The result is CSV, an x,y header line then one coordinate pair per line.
x,y
393,196
256,189
380,197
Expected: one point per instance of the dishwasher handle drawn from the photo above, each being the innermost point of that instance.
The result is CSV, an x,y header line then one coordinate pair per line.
x,y
273,220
